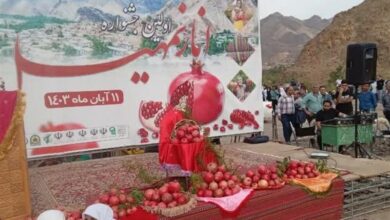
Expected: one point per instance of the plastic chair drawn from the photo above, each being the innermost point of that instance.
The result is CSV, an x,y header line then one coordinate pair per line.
x,y
300,132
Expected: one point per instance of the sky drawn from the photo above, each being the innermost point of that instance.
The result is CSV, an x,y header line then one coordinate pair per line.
x,y
304,9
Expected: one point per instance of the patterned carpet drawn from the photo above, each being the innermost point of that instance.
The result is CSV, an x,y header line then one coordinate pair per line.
x,y
74,185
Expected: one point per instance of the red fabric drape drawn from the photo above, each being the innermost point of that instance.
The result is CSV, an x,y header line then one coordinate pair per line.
x,y
7,106
184,155
167,151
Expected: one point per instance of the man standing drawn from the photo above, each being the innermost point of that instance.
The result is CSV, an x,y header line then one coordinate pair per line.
x,y
344,97
386,101
325,95
367,99
327,113
286,112
379,88
274,97
312,103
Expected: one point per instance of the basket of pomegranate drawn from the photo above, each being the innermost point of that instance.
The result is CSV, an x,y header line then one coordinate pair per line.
x,y
264,177
168,200
122,201
293,169
190,145
217,182
316,177
185,132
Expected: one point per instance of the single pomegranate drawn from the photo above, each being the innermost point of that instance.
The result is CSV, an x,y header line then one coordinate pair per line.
x,y
200,193
149,194
208,177
104,198
213,186
114,200
162,205
212,167
263,184
172,204
174,187
247,181
218,193
208,193
182,200
167,198
228,192
218,176
208,93
223,184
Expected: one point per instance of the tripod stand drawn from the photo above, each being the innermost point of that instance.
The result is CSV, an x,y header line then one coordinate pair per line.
x,y
356,145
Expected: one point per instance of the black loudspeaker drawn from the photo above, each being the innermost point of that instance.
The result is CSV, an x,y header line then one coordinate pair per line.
x,y
361,63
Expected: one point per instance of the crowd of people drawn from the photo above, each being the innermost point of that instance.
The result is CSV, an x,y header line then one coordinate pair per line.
x,y
293,104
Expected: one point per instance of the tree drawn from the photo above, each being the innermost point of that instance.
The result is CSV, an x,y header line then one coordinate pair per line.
x,y
338,73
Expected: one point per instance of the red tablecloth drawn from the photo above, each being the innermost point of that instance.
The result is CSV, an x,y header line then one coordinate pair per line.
x,y
289,202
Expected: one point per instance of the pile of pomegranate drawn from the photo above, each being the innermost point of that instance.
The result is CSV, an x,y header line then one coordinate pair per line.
x,y
186,134
167,196
265,177
75,215
243,118
121,203
218,182
301,170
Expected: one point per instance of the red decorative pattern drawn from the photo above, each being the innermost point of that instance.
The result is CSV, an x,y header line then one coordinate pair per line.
x,y
201,11
145,77
182,8
135,78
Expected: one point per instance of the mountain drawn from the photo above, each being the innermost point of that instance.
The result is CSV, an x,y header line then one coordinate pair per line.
x,y
68,8
282,37
367,22
93,15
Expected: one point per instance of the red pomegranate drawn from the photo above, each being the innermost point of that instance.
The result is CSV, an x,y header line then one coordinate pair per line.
x,y
208,97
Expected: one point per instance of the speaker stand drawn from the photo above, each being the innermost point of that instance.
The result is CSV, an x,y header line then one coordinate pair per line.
x,y
356,145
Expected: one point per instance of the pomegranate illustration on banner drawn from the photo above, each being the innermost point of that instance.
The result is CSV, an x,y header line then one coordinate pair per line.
x,y
208,97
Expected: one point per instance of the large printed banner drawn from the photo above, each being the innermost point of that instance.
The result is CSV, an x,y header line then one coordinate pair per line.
x,y
100,74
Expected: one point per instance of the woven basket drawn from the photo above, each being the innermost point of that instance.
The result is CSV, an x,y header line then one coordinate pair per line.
x,y
180,124
172,212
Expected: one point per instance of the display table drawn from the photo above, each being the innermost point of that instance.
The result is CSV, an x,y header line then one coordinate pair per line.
x,y
337,135
290,202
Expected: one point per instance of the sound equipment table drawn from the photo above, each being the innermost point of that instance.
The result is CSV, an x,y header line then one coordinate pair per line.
x,y
341,131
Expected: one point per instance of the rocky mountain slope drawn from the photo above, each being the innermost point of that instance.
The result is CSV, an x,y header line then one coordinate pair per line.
x,y
367,22
282,37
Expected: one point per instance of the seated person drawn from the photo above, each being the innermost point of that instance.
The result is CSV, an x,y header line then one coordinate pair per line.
x,y
326,114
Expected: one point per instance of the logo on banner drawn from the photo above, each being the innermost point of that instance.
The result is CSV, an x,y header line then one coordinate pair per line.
x,y
78,136
35,140
47,138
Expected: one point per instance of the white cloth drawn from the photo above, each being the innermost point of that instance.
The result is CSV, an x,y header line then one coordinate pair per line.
x,y
99,212
51,215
